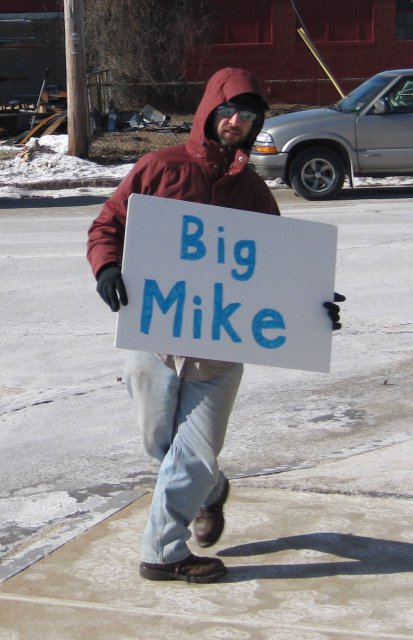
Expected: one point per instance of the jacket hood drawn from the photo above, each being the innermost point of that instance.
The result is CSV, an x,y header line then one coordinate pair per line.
x,y
223,87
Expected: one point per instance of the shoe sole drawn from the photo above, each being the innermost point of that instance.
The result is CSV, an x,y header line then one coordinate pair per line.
x,y
160,575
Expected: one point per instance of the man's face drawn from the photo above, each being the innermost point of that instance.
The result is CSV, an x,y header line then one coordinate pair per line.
x,y
233,128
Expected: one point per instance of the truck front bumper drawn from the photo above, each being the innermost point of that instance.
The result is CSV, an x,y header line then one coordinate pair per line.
x,y
269,166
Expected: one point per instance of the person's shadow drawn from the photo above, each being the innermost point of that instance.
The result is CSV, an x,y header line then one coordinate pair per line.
x,y
366,556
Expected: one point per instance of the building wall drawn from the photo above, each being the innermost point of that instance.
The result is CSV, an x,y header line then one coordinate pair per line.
x,y
31,41
285,66
264,40
30,6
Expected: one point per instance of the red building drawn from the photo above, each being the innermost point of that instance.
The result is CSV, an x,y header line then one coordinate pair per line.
x,y
355,38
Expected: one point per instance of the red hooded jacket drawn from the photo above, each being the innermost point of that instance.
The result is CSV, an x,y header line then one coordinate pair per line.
x,y
201,170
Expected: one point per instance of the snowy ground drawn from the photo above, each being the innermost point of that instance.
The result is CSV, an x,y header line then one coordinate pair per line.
x,y
44,160
68,444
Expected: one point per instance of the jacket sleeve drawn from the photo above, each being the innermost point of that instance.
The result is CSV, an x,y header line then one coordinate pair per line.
x,y
107,232
265,201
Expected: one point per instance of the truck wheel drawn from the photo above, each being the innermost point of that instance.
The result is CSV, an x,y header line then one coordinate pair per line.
x,y
317,174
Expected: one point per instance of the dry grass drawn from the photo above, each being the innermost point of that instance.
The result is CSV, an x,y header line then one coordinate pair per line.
x,y
121,146
128,146
110,148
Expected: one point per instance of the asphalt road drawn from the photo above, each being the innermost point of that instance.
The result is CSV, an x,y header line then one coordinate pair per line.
x,y
68,443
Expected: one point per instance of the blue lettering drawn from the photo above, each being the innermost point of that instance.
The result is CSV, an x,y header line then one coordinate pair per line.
x,y
152,292
197,319
221,315
192,247
221,247
245,255
268,319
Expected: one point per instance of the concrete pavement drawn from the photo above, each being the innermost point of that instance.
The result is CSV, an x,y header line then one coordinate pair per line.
x,y
302,564
324,552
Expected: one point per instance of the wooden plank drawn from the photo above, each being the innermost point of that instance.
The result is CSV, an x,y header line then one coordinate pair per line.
x,y
55,124
36,129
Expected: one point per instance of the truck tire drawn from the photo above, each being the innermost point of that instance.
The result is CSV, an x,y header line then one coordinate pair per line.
x,y
317,174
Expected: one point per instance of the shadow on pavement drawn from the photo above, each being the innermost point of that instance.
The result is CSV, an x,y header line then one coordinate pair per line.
x,y
368,556
42,203
358,193
376,193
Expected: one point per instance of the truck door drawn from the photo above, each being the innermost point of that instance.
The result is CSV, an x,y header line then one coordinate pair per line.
x,y
385,141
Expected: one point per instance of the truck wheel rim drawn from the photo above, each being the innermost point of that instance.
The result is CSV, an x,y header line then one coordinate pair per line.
x,y
318,175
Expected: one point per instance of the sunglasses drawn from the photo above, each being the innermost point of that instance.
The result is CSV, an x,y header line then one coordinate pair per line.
x,y
227,111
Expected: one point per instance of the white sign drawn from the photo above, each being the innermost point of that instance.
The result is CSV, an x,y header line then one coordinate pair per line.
x,y
226,284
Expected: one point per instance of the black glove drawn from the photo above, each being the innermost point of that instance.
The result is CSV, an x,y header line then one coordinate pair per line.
x,y
111,288
333,310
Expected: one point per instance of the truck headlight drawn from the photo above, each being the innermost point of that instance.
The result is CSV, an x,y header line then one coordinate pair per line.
x,y
264,143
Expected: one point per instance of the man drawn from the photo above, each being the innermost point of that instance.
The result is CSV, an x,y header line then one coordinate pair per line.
x,y
183,404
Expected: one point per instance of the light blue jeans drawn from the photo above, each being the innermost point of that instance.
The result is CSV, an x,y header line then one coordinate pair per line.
x,y
183,423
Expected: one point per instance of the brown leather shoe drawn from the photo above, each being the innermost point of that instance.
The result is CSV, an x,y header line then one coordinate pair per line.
x,y
209,521
191,569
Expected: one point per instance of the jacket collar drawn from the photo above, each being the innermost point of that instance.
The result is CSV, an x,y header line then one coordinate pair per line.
x,y
217,158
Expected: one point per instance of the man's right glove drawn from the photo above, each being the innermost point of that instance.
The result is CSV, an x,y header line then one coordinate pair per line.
x,y
333,310
111,288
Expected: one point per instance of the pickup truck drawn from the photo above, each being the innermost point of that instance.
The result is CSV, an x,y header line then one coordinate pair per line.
x,y
369,132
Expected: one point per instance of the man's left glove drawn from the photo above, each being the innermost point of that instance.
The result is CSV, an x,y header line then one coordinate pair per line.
x,y
333,310
111,288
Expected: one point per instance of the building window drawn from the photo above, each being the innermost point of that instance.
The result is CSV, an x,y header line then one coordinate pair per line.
x,y
242,22
328,21
404,19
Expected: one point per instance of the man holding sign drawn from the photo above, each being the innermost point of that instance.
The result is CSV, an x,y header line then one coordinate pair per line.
x,y
183,403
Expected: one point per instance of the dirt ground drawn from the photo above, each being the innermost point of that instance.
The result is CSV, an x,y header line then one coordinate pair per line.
x,y
120,146
123,146
128,146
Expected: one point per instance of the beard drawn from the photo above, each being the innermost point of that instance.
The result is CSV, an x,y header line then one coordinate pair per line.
x,y
232,136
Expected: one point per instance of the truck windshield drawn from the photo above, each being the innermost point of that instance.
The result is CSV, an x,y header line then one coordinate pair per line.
x,y
360,97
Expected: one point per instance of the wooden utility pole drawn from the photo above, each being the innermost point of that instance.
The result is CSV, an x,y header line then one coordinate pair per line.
x,y
77,109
